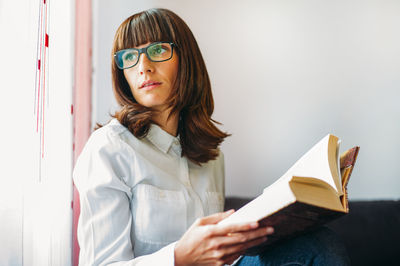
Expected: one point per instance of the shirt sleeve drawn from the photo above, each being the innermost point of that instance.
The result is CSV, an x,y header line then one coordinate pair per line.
x,y
105,222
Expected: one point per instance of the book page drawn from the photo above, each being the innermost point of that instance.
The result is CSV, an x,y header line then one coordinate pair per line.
x,y
338,165
314,163
279,195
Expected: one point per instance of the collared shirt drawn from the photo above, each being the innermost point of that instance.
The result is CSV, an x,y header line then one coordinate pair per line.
x,y
139,196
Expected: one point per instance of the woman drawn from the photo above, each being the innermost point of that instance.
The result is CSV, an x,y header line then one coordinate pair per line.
x,y
151,181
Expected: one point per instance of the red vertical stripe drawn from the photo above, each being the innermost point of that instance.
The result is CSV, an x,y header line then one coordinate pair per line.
x,y
46,39
39,65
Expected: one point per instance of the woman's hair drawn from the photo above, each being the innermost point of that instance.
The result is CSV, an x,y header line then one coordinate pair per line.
x,y
191,95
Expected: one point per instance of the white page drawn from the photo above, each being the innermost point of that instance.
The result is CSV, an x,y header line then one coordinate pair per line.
x,y
279,195
312,164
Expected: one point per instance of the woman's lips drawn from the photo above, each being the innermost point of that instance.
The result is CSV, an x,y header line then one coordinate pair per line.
x,y
152,86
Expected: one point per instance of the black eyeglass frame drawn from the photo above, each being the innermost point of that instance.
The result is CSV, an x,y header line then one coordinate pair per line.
x,y
144,51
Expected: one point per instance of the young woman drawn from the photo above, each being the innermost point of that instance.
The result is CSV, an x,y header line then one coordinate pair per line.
x,y
151,181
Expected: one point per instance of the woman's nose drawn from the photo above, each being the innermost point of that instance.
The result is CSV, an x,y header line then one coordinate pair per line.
x,y
144,64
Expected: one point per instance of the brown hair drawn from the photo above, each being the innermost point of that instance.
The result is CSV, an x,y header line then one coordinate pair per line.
x,y
191,94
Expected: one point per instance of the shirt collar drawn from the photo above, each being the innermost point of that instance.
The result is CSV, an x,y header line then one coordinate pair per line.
x,y
160,138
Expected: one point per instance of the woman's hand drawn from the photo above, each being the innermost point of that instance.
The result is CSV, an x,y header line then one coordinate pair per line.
x,y
207,243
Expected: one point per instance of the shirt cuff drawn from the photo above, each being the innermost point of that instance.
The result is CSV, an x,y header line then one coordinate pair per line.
x,y
168,254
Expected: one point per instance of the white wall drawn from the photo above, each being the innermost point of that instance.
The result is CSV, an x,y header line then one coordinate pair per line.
x,y
35,209
304,69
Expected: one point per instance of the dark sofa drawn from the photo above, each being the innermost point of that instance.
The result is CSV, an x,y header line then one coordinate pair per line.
x,y
370,232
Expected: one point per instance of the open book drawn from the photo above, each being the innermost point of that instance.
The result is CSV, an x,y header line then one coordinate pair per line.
x,y
312,192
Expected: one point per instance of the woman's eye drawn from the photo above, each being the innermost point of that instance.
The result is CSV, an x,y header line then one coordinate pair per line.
x,y
129,57
157,50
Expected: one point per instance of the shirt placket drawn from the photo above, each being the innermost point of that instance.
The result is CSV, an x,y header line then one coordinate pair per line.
x,y
195,207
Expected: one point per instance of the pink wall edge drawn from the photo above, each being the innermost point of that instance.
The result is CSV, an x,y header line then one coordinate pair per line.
x,y
82,99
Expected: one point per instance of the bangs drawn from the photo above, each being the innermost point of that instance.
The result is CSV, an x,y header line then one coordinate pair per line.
x,y
147,26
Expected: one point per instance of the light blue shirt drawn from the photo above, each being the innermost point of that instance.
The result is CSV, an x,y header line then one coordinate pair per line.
x,y
139,196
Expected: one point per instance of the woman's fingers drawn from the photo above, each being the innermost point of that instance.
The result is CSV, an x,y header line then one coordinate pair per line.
x,y
222,230
243,246
241,237
206,240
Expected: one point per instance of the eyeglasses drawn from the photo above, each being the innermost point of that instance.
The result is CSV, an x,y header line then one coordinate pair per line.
x,y
156,52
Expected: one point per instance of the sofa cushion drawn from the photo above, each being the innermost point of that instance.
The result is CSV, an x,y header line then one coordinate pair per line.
x,y
371,232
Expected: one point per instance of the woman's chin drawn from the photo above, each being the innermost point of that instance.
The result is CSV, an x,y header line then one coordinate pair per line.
x,y
157,105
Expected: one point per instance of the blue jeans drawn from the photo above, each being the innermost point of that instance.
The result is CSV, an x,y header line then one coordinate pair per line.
x,y
320,247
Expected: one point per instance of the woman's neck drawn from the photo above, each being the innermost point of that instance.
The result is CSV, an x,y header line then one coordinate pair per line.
x,y
169,125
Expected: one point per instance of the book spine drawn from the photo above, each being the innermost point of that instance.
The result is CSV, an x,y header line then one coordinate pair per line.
x,y
347,162
345,180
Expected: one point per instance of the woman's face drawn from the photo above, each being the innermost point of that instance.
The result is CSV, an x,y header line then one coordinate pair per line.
x,y
163,73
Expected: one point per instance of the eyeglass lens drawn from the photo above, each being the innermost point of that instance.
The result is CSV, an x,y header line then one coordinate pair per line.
x,y
156,52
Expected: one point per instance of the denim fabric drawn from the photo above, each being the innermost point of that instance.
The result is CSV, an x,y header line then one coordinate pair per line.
x,y
320,247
